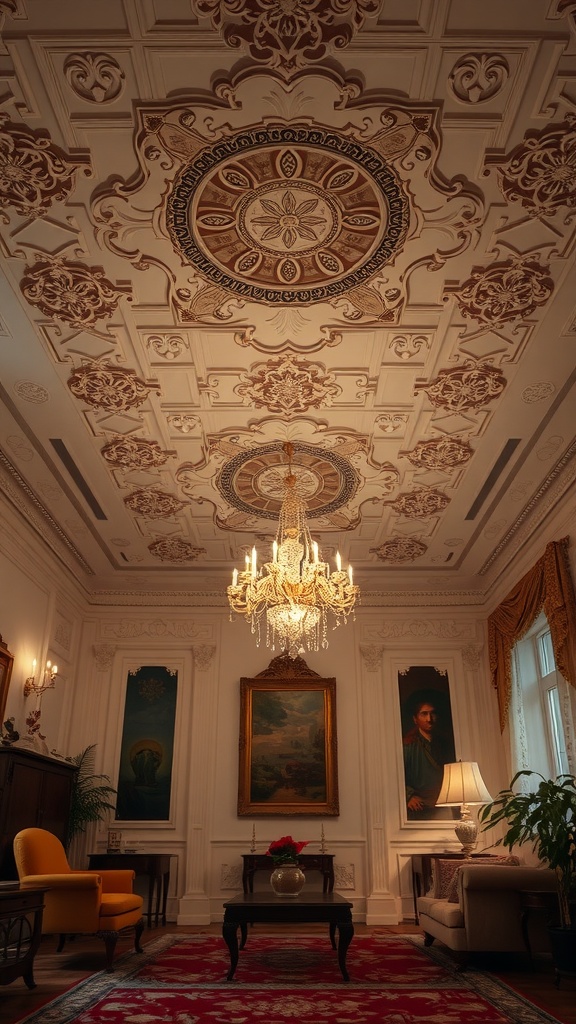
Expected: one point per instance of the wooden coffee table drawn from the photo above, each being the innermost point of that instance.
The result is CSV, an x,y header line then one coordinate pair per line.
x,y
263,908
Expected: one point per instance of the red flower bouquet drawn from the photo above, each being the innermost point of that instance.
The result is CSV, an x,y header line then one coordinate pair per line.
x,y
284,850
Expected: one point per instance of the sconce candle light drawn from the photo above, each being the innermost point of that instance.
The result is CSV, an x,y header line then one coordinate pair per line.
x,y
47,681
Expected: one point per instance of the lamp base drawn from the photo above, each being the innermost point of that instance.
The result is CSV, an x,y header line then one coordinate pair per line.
x,y
467,832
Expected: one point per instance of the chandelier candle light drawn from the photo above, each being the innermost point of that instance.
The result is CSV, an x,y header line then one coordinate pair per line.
x,y
295,590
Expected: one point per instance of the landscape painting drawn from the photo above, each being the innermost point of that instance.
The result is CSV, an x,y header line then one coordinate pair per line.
x,y
288,747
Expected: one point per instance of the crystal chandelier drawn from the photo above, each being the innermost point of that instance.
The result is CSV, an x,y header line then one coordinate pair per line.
x,y
294,591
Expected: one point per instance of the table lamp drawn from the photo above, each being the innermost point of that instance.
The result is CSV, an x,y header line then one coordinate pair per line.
x,y
463,785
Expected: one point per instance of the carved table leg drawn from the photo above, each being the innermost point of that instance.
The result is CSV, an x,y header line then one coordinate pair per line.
x,y
230,936
346,930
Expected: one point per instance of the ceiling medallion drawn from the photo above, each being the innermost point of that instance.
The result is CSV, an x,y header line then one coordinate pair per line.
x,y
288,214
254,480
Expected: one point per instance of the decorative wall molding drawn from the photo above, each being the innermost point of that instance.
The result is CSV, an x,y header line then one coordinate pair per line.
x,y
104,656
153,629
372,656
203,655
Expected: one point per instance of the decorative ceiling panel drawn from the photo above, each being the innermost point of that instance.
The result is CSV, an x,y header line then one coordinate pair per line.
x,y
224,226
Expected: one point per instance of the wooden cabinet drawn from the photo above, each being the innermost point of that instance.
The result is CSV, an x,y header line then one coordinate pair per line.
x,y
20,933
34,791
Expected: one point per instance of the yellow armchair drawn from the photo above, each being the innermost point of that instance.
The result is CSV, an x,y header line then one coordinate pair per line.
x,y
100,902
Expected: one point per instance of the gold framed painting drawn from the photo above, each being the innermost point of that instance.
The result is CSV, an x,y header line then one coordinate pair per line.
x,y
288,745
6,662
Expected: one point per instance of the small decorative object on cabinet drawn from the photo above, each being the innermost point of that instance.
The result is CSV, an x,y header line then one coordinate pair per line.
x,y
35,791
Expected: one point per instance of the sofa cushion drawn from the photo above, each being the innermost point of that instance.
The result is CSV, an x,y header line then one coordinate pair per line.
x,y
448,914
454,895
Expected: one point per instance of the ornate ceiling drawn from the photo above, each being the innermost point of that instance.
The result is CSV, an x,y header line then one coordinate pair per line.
x,y
225,224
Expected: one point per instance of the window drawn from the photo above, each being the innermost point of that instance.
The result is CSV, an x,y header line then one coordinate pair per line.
x,y
541,726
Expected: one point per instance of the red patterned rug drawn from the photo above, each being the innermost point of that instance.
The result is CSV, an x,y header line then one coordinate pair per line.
x,y
294,980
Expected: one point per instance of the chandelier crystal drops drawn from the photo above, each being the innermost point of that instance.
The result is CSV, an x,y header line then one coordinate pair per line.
x,y
295,591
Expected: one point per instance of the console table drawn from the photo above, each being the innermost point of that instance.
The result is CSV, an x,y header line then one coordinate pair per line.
x,y
156,867
322,862
20,932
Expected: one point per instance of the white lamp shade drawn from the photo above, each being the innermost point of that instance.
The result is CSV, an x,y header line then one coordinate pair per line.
x,y
462,784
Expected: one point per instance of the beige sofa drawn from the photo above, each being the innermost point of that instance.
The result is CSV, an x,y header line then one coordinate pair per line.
x,y
485,910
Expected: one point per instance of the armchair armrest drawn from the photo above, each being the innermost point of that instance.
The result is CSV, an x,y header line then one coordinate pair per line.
x,y
117,879
504,876
69,880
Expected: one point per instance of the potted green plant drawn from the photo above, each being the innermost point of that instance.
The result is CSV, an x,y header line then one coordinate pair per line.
x,y
90,794
546,818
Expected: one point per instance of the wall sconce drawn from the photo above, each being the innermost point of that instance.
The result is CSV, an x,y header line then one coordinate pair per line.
x,y
47,681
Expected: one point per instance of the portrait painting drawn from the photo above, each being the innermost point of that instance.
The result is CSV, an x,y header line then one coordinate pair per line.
x,y
287,747
427,740
147,749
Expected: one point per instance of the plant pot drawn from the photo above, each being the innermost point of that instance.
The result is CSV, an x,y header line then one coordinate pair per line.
x,y
287,880
563,945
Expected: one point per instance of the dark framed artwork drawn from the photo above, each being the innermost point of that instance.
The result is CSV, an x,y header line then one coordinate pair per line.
x,y
6,662
147,748
288,747
427,739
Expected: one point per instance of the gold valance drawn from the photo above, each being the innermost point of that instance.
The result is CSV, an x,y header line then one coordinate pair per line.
x,y
547,586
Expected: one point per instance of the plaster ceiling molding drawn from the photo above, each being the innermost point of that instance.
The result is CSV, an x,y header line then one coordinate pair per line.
x,y
134,629
184,423
410,346
399,550
103,656
509,290
392,422
540,173
540,391
175,550
468,386
110,387
94,77
443,453
478,77
288,385
446,629
286,38
69,291
203,655
420,503
135,453
31,391
34,173
154,504
167,346
372,656
20,448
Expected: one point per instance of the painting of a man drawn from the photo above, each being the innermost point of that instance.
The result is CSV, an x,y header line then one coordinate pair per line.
x,y
427,742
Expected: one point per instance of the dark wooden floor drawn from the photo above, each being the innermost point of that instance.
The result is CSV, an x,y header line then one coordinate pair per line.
x,y
56,972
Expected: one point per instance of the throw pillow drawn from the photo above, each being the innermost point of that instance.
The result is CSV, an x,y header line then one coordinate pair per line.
x,y
452,894
444,872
